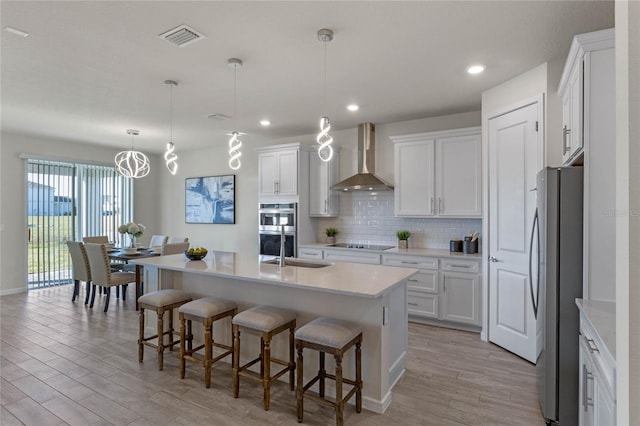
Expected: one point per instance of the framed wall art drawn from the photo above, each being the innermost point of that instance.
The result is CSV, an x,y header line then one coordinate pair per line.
x,y
210,199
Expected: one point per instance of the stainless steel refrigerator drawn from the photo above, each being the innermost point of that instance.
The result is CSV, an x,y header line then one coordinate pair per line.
x,y
556,281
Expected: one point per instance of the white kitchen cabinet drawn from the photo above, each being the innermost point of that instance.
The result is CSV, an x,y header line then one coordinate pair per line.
x,y
422,304
571,95
278,172
310,253
323,202
354,256
597,371
460,300
438,174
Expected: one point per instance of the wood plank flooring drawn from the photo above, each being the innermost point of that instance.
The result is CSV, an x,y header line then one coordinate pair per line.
x,y
63,363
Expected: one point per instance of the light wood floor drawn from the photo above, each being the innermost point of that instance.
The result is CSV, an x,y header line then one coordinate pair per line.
x,y
63,363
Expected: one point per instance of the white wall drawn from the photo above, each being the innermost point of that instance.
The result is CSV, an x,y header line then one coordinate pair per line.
x,y
628,212
13,227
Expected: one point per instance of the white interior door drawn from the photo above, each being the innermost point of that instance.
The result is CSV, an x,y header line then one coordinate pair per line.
x,y
515,149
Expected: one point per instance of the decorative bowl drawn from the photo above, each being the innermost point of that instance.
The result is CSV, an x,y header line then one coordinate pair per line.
x,y
195,256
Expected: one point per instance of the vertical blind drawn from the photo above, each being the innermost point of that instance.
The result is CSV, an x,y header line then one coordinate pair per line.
x,y
68,201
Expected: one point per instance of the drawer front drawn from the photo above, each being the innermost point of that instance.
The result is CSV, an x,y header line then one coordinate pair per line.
x,y
350,256
602,360
310,253
422,304
418,262
425,281
460,266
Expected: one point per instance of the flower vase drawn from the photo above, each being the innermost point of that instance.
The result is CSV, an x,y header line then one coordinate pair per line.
x,y
331,240
133,241
403,244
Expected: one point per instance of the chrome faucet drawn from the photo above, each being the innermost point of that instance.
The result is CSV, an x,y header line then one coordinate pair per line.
x,y
282,249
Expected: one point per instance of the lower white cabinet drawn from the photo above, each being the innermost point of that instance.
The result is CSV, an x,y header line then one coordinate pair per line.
x,y
422,304
310,253
596,398
354,256
460,297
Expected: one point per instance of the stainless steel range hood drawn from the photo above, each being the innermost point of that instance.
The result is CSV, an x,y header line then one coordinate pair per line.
x,y
365,180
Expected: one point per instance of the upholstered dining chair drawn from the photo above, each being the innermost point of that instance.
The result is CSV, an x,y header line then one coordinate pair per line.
x,y
101,273
98,239
173,240
158,240
174,248
80,269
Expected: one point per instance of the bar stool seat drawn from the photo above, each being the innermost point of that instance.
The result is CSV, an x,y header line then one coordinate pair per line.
x,y
335,337
207,310
266,321
160,301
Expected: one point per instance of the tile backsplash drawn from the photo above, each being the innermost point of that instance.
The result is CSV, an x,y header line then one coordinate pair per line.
x,y
368,218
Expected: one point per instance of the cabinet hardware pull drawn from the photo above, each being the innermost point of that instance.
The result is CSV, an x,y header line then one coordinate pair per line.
x,y
412,304
412,280
325,206
409,262
461,266
309,254
592,346
584,386
439,205
565,133
432,212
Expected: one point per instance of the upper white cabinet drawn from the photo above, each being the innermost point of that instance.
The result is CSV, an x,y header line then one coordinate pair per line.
x,y
323,202
438,174
278,172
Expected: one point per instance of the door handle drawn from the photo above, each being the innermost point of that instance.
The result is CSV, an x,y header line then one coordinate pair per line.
x,y
493,259
534,300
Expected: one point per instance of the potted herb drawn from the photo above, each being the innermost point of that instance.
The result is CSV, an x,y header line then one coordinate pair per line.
x,y
403,237
331,235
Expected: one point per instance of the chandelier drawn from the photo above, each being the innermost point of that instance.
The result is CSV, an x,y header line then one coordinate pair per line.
x,y
170,157
234,142
324,139
132,164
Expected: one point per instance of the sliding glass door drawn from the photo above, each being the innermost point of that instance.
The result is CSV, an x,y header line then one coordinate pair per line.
x,y
67,202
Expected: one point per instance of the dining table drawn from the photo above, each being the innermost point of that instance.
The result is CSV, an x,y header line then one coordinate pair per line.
x,y
121,255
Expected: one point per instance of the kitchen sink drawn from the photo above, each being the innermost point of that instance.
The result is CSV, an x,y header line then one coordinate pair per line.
x,y
298,262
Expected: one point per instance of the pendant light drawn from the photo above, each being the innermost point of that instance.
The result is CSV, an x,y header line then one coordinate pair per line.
x,y
325,151
170,157
234,142
132,164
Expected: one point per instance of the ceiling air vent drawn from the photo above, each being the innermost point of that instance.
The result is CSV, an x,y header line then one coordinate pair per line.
x,y
181,36
218,116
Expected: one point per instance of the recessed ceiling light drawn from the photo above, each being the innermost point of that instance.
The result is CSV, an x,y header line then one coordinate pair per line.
x,y
265,122
475,69
353,107
16,31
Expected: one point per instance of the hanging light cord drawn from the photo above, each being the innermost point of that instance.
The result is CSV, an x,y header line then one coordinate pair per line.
x,y
234,142
170,157
171,113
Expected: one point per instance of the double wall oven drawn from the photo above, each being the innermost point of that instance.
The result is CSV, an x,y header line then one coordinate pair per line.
x,y
271,217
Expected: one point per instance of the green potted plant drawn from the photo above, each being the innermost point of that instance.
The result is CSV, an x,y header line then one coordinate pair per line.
x,y
331,235
403,239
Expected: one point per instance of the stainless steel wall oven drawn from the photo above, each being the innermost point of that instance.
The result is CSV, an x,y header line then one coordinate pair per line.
x,y
271,216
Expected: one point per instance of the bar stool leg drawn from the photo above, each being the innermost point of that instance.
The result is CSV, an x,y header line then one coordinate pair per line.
x,y
358,377
339,402
140,333
321,375
236,360
171,329
189,336
266,363
208,356
292,364
160,338
300,384
183,337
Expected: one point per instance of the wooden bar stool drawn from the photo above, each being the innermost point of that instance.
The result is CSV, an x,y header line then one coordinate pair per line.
x,y
265,321
159,301
334,337
206,310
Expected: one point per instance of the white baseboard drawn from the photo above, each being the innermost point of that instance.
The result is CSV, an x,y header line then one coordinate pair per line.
x,y
12,291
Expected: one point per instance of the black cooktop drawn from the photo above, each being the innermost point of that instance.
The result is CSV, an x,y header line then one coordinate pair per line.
x,y
362,246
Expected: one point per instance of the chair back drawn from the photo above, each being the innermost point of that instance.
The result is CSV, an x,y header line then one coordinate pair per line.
x,y
100,239
79,261
173,240
158,240
99,264
174,248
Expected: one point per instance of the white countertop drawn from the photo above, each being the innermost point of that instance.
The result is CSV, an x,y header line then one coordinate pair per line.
x,y
409,251
352,279
602,316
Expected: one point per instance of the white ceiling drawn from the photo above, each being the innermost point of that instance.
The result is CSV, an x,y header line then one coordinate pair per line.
x,y
90,70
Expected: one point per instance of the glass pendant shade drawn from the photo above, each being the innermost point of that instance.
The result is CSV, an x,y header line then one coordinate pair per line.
x,y
234,151
170,156
132,164
325,151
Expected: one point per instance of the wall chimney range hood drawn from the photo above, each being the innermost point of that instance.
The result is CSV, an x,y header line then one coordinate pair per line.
x,y
365,180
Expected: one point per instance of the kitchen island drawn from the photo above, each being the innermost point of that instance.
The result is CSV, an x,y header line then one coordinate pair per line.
x,y
373,296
